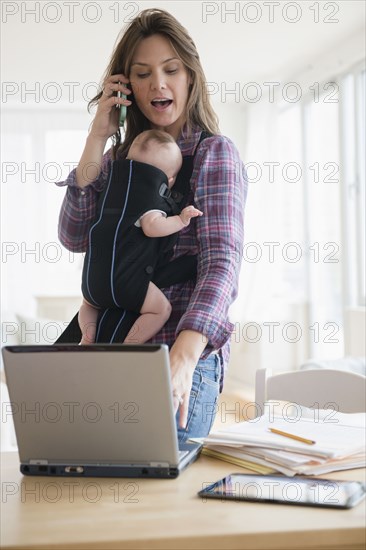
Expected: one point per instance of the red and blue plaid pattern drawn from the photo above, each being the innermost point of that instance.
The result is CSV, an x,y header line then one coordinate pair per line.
x,y
219,189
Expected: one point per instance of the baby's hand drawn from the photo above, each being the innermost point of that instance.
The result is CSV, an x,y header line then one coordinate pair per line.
x,y
189,212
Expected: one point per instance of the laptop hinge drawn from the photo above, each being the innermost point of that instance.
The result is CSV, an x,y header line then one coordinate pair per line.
x,y
38,461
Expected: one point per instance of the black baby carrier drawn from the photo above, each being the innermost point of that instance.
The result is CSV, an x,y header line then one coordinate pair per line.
x,y
121,260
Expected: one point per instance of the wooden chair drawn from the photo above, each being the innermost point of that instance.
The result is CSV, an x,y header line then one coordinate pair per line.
x,y
317,389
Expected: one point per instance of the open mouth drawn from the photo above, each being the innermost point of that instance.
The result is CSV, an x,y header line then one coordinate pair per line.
x,y
161,104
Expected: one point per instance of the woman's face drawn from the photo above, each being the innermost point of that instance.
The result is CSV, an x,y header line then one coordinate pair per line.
x,y
160,84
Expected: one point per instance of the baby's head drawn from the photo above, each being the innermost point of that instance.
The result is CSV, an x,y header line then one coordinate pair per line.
x,y
158,149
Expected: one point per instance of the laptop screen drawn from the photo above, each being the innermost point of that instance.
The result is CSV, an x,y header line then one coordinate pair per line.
x,y
98,404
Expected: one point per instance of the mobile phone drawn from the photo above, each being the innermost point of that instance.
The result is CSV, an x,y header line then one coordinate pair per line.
x,y
287,490
122,108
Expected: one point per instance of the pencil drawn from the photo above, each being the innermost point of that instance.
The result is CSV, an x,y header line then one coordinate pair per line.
x,y
293,436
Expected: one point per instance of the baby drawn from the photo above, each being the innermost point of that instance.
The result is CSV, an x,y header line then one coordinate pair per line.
x,y
157,149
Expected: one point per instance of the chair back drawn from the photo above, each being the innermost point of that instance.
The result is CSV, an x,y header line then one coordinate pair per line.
x,y
317,389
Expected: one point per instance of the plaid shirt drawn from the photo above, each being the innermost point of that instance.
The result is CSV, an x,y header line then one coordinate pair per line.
x,y
218,188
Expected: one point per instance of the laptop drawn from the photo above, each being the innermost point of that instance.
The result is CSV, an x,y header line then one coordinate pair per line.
x,y
98,410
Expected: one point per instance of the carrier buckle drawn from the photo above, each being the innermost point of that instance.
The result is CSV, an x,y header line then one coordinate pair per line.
x,y
164,191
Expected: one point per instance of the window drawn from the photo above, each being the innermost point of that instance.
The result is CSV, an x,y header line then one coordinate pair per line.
x,y
361,132
324,213
323,226
37,146
352,146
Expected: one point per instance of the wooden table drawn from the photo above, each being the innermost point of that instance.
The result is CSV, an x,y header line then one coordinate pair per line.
x,y
94,513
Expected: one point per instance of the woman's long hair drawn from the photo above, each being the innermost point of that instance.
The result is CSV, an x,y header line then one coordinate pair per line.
x,y
198,111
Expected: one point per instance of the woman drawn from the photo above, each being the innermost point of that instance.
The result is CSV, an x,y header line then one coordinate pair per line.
x,y
157,66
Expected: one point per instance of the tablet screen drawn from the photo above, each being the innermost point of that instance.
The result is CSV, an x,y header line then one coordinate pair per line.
x,y
287,490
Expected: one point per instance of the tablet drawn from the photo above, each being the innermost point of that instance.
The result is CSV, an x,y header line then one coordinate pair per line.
x,y
287,490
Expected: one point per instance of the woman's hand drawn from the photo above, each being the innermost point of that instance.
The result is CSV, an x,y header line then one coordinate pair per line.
x,y
105,123
184,356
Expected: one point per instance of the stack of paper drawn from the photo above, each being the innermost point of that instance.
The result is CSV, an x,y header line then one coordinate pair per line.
x,y
336,444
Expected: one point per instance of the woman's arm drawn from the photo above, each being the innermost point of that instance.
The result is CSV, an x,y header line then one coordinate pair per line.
x,y
90,164
184,356
220,190
89,178
105,125
78,208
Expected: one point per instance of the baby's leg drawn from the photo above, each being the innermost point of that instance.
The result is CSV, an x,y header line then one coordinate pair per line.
x,y
88,316
155,312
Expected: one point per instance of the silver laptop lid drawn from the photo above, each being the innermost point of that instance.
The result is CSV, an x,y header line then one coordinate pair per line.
x,y
99,404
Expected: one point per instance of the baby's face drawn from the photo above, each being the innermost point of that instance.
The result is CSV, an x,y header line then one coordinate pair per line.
x,y
167,157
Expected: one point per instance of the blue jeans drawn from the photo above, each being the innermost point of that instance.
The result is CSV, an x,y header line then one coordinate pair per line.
x,y
203,399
